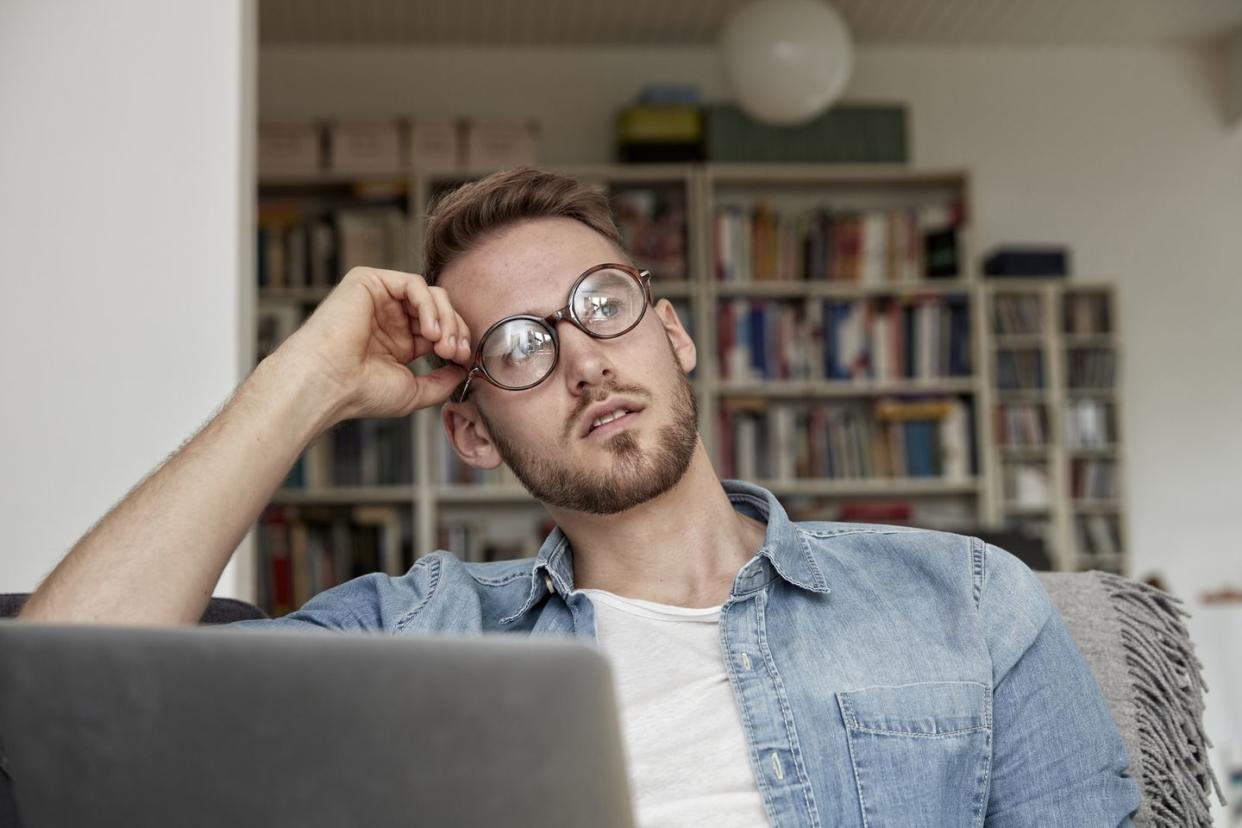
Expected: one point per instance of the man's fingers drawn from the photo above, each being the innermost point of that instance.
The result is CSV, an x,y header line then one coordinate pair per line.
x,y
436,387
448,345
466,346
412,292
432,315
424,309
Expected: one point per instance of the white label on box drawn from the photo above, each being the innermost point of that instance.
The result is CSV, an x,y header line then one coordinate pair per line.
x,y
434,145
497,146
366,147
288,148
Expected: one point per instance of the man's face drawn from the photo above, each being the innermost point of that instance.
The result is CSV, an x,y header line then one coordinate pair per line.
x,y
529,267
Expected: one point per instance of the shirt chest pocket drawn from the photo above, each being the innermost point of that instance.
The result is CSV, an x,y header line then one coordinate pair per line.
x,y
921,752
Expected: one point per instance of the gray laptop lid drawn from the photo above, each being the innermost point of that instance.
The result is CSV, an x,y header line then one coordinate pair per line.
x,y
191,726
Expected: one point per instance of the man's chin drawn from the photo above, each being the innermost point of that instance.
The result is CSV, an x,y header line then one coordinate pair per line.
x,y
629,480
624,446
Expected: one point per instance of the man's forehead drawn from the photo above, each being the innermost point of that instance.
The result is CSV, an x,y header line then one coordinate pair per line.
x,y
525,268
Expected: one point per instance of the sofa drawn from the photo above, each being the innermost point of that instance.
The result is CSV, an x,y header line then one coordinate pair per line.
x,y
1133,638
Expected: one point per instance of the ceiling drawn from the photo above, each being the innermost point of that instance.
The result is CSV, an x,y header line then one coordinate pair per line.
x,y
640,22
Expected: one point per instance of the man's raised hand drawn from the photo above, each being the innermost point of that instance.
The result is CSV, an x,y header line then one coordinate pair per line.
x,y
363,336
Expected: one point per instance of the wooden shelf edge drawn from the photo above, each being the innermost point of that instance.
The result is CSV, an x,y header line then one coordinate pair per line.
x,y
346,495
813,388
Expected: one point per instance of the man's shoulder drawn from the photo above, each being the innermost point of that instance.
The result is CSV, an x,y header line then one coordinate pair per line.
x,y
485,573
894,550
939,555
894,537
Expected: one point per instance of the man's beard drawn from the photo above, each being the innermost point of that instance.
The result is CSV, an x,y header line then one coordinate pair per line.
x,y
629,479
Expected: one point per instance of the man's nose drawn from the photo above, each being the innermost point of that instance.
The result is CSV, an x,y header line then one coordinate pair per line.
x,y
585,359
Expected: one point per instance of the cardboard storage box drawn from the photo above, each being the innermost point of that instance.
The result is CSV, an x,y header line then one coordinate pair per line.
x,y
435,144
498,145
366,147
289,148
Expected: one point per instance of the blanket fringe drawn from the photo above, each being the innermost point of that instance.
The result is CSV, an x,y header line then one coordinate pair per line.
x,y
1177,778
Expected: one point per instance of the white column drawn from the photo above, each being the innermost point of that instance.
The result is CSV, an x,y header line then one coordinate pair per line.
x,y
126,193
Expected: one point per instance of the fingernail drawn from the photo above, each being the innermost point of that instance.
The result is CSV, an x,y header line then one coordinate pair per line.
x,y
452,341
435,326
465,343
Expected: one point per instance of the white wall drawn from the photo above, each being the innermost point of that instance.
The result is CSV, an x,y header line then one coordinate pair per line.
x,y
126,138
1123,154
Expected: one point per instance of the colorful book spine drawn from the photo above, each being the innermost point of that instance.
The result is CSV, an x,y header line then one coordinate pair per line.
x,y
761,243
926,438
877,340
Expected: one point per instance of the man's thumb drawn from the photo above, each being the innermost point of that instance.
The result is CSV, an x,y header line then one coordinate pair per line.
x,y
436,387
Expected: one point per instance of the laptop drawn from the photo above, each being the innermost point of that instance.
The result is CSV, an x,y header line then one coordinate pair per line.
x,y
191,726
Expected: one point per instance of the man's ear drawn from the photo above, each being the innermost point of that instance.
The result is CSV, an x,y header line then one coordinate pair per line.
x,y
468,435
683,345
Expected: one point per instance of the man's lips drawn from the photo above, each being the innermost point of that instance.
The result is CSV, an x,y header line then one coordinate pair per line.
x,y
605,408
617,425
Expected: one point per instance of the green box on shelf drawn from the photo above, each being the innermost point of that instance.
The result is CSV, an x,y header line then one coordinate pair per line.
x,y
845,134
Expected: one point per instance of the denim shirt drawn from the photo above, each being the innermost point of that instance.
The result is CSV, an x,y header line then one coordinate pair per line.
x,y
885,675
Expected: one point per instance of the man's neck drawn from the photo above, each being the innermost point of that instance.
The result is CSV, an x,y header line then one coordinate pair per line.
x,y
683,548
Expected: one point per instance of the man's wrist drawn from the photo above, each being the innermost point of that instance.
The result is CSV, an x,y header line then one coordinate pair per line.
x,y
306,393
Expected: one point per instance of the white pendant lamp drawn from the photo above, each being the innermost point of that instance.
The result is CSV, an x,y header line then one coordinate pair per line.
x,y
786,60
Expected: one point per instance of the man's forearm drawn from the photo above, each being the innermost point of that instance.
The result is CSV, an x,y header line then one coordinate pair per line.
x,y
157,555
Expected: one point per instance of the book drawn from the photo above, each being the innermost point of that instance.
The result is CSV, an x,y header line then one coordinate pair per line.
x,y
762,440
653,223
1021,425
759,242
778,339
384,538
274,324
308,243
1026,485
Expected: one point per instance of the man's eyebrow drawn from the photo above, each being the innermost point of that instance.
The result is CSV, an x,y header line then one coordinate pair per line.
x,y
566,301
538,313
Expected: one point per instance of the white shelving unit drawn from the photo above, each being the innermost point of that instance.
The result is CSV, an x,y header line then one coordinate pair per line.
x,y
1063,515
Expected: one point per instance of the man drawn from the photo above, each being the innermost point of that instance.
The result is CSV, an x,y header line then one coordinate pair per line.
x,y
768,671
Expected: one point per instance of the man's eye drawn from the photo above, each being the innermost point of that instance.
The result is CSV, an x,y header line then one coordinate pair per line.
x,y
602,307
524,347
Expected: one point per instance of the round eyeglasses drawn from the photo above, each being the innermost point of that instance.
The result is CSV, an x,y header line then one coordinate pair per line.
x,y
521,351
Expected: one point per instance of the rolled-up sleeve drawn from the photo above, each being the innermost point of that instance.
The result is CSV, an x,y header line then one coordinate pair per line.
x,y
1057,757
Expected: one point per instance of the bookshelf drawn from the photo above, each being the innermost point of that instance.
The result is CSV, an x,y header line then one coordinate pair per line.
x,y
766,233
915,412
1054,368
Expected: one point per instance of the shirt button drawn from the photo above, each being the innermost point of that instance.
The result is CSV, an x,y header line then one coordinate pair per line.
x,y
548,581
745,661
777,770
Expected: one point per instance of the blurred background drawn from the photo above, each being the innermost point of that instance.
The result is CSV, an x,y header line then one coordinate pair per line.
x,y
971,266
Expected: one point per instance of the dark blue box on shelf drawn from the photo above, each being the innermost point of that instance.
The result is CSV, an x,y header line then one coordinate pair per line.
x,y
1027,261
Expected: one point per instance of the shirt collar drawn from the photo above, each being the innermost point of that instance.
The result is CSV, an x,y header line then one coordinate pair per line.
x,y
784,548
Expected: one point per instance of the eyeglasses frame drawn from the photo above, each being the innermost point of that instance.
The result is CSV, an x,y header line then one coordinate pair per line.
x,y
477,367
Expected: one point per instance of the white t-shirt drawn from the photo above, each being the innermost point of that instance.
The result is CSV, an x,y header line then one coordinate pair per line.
x,y
686,752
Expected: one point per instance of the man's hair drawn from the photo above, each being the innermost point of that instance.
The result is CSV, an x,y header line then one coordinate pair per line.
x,y
463,218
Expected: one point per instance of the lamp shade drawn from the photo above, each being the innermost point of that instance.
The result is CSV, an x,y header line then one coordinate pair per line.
x,y
786,60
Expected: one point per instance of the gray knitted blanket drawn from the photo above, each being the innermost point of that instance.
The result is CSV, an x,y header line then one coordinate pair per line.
x,y
1154,689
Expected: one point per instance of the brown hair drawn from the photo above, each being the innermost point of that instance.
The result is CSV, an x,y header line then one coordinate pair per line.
x,y
464,217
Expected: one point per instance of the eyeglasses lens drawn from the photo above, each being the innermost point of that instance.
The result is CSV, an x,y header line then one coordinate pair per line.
x,y
608,302
521,352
